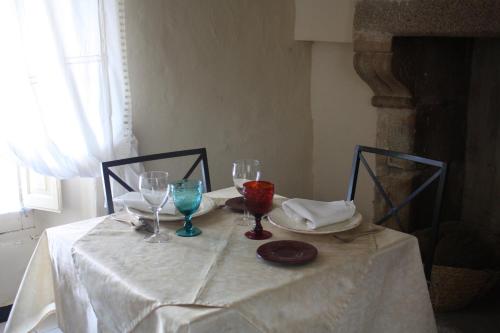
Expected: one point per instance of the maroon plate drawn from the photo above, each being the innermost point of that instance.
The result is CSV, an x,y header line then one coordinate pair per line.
x,y
288,252
237,204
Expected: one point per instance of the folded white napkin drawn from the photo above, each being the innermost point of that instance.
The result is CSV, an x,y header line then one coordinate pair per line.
x,y
134,200
317,214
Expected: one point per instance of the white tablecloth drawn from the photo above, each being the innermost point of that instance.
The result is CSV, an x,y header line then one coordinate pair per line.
x,y
373,284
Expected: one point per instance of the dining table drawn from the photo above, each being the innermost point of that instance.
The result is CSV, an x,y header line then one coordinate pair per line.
x,y
99,275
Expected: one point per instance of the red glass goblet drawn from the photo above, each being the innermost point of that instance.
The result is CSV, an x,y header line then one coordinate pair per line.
x,y
258,196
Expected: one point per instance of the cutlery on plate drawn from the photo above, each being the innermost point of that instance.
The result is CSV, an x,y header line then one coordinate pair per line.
x,y
139,223
352,236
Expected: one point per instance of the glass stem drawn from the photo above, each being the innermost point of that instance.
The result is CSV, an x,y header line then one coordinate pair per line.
x,y
258,226
157,222
187,223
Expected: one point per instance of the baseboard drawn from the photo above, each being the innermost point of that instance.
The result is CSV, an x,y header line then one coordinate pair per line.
x,y
4,313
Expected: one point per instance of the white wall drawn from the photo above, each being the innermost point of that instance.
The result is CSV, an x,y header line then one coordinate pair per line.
x,y
15,250
340,101
342,117
79,203
324,20
226,75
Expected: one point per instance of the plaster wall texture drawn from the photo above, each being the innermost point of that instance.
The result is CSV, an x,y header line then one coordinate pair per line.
x,y
15,252
16,246
225,75
342,117
79,203
324,20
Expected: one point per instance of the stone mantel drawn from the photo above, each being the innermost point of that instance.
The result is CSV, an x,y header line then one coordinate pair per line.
x,y
376,22
390,71
382,19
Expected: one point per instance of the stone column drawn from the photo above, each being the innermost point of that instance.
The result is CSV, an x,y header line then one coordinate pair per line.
x,y
396,115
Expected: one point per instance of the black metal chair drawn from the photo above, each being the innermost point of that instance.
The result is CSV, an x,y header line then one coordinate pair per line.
x,y
107,173
439,175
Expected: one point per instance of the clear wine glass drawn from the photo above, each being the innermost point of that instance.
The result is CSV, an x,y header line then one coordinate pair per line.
x,y
243,171
155,190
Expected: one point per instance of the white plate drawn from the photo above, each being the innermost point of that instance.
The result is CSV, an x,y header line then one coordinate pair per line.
x,y
207,204
278,218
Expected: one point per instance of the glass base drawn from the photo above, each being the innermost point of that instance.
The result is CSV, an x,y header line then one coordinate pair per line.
x,y
157,238
191,233
264,234
246,221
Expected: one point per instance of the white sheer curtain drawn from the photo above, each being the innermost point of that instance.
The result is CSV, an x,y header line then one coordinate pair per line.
x,y
64,96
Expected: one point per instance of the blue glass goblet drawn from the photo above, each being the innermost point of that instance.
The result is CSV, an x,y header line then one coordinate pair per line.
x,y
187,200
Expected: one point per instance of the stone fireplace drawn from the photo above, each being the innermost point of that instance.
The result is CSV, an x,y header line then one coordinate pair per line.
x,y
434,68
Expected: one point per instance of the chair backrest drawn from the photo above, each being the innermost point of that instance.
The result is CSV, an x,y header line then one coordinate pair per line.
x,y
107,173
439,175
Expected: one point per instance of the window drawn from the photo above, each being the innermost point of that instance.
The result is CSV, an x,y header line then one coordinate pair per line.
x,y
24,188
21,189
64,95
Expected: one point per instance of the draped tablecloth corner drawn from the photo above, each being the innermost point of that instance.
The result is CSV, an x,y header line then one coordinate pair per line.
x,y
106,278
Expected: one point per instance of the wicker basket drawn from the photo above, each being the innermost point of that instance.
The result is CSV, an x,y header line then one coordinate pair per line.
x,y
454,288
